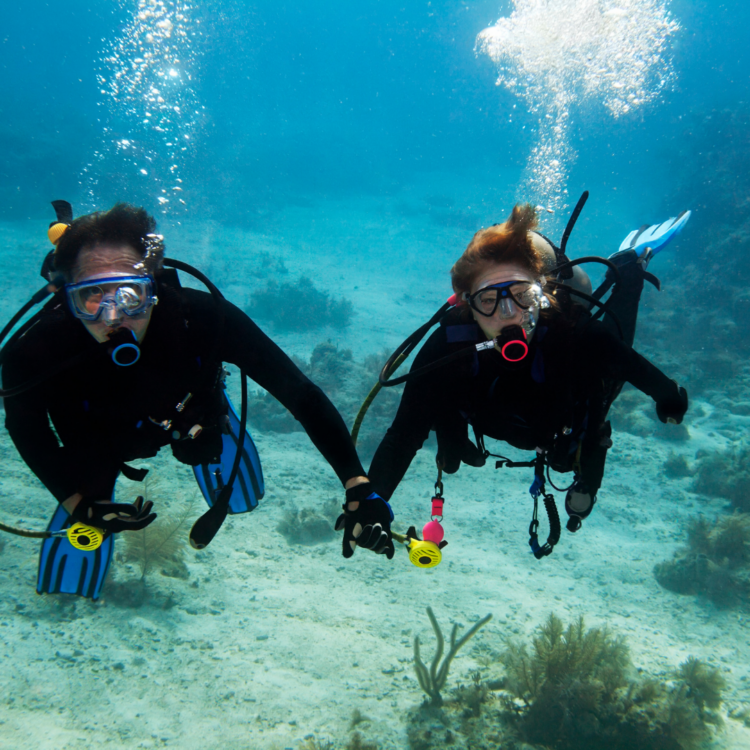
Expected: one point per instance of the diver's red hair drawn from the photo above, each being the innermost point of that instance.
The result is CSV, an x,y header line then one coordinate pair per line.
x,y
508,242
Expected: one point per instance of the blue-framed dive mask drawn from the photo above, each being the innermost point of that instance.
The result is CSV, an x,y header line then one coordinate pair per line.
x,y
507,298
121,295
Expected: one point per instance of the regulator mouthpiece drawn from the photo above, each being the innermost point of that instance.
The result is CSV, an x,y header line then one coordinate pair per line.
x,y
425,552
512,343
123,348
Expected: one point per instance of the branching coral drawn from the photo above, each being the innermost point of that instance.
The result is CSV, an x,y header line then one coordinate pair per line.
x,y
433,680
703,684
574,688
561,654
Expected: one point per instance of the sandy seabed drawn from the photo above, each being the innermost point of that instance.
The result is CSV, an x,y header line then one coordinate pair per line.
x,y
264,643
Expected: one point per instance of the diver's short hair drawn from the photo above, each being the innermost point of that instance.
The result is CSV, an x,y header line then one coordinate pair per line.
x,y
123,224
509,242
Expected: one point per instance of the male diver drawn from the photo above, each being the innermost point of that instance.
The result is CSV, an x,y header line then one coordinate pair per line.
x,y
123,361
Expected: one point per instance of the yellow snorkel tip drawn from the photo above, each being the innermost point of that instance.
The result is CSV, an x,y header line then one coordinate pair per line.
x,y
56,231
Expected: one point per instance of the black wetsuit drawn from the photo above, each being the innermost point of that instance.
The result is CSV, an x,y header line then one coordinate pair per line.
x,y
561,387
105,415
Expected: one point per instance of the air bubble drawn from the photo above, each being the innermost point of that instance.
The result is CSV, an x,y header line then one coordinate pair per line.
x,y
583,55
145,77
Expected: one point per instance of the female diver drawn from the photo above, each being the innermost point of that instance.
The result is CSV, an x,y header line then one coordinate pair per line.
x,y
545,382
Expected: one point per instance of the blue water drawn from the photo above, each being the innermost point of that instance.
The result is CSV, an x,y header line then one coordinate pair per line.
x,y
362,144
341,99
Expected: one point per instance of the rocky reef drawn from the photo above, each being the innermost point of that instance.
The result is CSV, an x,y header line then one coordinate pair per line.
x,y
725,474
715,562
299,306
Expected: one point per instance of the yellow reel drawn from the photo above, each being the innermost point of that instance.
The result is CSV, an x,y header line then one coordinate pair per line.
x,y
84,537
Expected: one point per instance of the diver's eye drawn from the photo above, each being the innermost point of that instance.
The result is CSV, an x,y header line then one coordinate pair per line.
x,y
487,300
91,298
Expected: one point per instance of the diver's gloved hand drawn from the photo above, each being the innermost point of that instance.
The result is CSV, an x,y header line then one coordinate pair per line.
x,y
673,409
366,522
114,517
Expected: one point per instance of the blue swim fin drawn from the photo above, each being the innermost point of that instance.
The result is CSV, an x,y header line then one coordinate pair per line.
x,y
248,486
63,569
656,236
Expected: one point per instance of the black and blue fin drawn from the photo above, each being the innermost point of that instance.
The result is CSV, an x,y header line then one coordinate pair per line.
x,y
656,236
249,487
63,569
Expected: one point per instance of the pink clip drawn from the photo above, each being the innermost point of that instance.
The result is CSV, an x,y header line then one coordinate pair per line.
x,y
437,507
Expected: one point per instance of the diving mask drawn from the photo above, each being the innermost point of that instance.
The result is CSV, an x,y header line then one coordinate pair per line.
x,y
506,297
123,295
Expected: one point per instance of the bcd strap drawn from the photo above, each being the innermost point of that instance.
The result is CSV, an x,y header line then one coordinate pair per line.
x,y
133,474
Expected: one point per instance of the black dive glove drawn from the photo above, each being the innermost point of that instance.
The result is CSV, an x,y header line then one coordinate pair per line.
x,y
673,409
114,517
368,526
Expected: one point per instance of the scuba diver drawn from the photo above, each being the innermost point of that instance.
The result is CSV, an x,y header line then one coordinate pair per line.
x,y
123,360
527,354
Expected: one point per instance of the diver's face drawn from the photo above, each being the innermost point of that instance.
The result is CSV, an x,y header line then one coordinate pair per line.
x,y
100,262
498,273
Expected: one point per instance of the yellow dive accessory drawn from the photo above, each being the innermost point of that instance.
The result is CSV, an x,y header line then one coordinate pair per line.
x,y
86,538
422,554
56,231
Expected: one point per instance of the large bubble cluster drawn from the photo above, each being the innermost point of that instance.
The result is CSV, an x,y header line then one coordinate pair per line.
x,y
566,56
152,110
